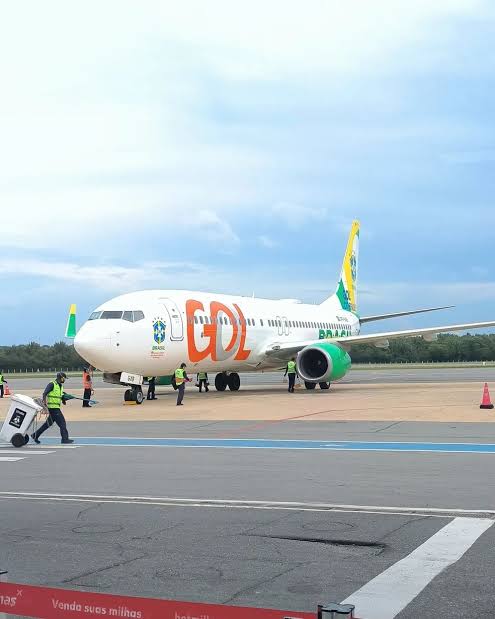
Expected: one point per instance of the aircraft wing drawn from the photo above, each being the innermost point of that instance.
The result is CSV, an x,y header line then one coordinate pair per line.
x,y
364,319
381,340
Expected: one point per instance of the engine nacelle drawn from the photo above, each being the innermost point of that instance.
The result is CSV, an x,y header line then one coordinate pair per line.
x,y
323,362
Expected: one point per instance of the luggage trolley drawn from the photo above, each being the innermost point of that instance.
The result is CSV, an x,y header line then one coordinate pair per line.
x,y
23,418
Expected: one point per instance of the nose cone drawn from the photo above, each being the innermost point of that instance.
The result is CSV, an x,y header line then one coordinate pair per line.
x,y
93,345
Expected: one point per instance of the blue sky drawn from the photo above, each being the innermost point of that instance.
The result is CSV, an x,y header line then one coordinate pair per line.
x,y
215,147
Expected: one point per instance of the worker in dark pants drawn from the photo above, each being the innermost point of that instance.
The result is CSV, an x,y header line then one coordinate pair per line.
x,y
291,372
88,386
203,381
151,388
53,397
180,380
2,382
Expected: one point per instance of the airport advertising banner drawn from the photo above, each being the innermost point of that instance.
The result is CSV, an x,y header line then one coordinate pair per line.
x,y
47,603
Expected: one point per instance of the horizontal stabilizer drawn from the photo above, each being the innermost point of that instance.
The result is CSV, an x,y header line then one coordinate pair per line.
x,y
398,314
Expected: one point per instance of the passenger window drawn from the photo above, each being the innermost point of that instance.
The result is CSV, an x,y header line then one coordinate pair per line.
x,y
252,322
201,319
196,319
111,315
138,315
94,316
207,320
261,321
128,316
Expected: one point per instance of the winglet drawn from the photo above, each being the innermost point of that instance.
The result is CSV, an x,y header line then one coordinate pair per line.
x,y
70,331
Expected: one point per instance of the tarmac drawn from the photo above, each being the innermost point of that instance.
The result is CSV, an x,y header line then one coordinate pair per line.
x,y
379,493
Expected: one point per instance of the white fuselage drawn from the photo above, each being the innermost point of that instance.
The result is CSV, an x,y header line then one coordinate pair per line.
x,y
151,332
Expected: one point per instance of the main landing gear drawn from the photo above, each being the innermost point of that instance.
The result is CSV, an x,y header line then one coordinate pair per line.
x,y
310,386
134,394
224,380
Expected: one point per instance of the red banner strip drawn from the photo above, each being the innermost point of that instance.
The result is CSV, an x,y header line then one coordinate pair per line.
x,y
46,603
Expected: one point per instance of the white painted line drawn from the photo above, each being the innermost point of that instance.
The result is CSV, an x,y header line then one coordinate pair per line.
x,y
25,452
247,504
385,596
5,459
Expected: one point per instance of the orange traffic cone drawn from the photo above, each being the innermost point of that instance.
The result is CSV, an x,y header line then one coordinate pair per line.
x,y
486,402
6,390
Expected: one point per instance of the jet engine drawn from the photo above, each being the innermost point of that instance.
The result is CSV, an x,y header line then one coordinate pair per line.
x,y
322,362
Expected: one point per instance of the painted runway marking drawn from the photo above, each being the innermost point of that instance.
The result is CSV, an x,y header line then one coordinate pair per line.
x,y
237,443
24,452
391,591
7,459
435,512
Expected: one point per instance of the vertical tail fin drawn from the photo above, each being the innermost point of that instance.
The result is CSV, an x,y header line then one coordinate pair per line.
x,y
346,294
70,330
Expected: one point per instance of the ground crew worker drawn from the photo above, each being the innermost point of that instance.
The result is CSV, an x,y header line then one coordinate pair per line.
x,y
53,396
202,380
180,380
151,388
2,382
291,371
88,386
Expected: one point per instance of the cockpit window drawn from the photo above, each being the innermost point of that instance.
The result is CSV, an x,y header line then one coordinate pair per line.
x,y
128,316
111,315
94,316
138,315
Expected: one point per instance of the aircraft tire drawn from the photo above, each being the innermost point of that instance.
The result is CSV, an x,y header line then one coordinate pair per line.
x,y
234,381
324,385
138,396
221,381
309,386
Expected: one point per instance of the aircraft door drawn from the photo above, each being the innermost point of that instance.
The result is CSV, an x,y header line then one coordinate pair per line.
x,y
176,322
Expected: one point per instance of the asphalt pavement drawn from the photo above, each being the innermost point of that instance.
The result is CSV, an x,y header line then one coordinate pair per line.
x,y
358,376
257,527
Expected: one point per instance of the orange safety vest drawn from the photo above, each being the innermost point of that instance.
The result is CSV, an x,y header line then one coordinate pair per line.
x,y
86,380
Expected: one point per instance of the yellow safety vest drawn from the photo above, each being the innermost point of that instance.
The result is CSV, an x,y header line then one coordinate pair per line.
x,y
202,376
1,379
291,367
54,397
179,376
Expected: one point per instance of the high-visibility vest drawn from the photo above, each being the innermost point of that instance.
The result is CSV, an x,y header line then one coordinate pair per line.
x,y
202,376
54,397
179,376
291,367
86,380
1,379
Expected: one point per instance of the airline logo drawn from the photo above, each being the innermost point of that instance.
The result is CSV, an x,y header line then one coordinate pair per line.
x,y
215,343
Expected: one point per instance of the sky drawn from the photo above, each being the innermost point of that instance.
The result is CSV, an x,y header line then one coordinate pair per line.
x,y
228,146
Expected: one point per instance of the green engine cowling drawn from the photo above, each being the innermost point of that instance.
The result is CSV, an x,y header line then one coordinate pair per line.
x,y
323,362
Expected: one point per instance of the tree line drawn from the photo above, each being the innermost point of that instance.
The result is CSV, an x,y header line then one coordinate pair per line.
x,y
409,350
35,356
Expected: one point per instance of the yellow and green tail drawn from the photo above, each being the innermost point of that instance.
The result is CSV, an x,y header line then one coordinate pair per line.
x,y
70,330
346,294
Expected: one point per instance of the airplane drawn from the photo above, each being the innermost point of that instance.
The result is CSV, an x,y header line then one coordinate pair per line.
x,y
151,332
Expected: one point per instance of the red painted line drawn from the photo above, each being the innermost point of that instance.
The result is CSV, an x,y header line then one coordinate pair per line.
x,y
48,603
269,422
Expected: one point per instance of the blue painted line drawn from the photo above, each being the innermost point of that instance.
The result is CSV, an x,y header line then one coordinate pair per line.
x,y
329,445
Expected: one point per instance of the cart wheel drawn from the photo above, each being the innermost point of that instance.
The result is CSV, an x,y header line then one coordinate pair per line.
x,y
127,395
26,439
17,440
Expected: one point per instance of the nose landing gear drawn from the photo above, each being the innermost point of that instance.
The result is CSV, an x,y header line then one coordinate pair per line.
x,y
134,394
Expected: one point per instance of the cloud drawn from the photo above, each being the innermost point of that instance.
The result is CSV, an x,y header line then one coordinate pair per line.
x,y
295,215
267,242
108,277
213,227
